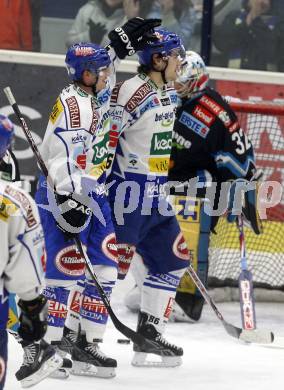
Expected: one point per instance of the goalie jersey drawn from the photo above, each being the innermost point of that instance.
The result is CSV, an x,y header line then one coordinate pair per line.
x,y
208,142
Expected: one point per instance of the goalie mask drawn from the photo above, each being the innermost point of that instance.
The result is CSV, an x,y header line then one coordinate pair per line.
x,y
6,134
192,76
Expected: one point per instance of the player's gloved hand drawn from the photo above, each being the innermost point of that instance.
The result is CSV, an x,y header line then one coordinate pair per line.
x,y
33,318
73,212
132,36
243,200
96,31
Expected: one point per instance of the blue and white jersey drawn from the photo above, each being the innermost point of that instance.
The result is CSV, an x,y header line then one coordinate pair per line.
x,y
22,245
142,118
75,144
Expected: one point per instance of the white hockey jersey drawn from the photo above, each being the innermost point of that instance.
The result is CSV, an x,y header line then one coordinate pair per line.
x,y
142,116
75,144
21,241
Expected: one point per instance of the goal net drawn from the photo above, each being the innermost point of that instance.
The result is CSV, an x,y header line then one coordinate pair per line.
x,y
264,124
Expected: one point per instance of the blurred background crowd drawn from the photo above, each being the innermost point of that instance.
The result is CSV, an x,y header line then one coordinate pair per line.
x,y
246,34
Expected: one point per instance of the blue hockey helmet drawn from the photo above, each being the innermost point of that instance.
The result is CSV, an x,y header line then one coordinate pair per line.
x,y
86,56
6,134
165,43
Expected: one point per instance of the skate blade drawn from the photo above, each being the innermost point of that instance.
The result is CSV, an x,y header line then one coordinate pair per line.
x,y
86,369
60,373
140,360
50,365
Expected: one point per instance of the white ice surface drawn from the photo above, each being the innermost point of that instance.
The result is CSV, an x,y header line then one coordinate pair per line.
x,y
212,359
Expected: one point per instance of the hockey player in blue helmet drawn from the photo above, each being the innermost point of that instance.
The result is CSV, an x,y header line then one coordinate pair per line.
x,y
75,150
142,117
165,45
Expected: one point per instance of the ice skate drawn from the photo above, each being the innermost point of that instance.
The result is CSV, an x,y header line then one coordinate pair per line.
x,y
68,340
170,354
63,371
90,361
40,360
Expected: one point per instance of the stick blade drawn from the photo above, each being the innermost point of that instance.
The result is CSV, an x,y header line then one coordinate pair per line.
x,y
232,330
259,336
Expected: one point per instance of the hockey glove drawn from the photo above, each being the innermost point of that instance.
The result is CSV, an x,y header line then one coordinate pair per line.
x,y
74,213
243,200
33,318
96,31
132,36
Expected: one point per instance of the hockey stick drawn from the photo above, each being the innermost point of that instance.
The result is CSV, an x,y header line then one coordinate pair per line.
x,y
127,332
245,284
251,336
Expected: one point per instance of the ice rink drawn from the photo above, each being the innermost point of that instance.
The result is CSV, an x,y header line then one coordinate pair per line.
x,y
212,359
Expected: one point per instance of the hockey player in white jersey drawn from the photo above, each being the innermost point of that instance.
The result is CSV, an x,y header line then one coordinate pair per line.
x,y
22,248
142,116
75,150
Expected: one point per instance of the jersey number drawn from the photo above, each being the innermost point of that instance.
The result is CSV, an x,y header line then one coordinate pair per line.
x,y
242,141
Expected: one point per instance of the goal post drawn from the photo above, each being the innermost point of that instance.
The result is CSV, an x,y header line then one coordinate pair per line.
x,y
263,122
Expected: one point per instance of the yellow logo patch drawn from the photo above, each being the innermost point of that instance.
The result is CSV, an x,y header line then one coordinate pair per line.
x,y
158,164
56,111
7,208
98,170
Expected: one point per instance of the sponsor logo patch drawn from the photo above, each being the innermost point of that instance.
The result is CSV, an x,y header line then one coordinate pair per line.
x,y
109,247
166,101
56,110
84,51
202,114
95,121
69,262
93,305
194,124
78,138
81,160
7,209
224,117
234,126
149,104
158,164
161,143
57,309
74,112
169,308
211,104
24,202
138,96
75,303
180,247
100,151
180,142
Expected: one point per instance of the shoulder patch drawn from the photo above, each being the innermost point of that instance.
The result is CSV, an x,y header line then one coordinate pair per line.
x,y
56,110
24,202
138,96
74,112
115,92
